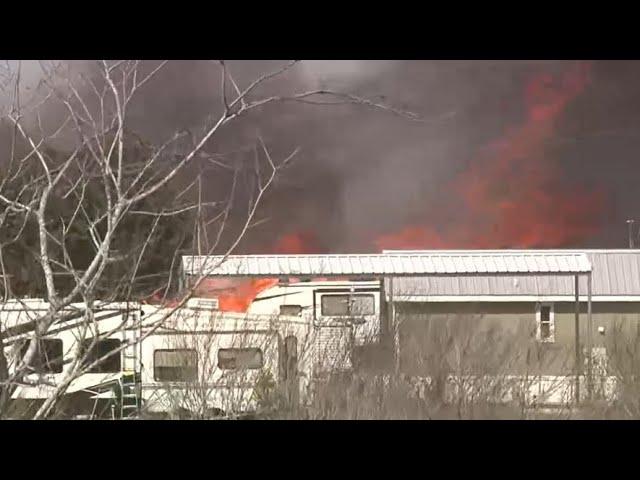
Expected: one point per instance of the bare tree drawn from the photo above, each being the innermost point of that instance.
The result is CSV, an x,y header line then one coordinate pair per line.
x,y
91,166
451,367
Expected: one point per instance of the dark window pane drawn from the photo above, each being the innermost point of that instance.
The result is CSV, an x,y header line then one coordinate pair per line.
x,y
545,330
175,365
240,358
545,314
362,305
348,305
111,364
48,357
335,305
291,310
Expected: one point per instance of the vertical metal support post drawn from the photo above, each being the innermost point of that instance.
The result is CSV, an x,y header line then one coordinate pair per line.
x,y
589,340
395,329
577,339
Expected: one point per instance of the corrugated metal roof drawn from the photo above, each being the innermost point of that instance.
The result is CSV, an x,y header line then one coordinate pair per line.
x,y
614,273
397,264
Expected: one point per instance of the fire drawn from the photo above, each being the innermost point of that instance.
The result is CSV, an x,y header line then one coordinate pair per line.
x,y
242,295
297,243
411,238
513,194
237,295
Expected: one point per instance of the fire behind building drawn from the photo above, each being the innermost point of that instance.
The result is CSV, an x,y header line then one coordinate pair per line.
x,y
435,316
508,313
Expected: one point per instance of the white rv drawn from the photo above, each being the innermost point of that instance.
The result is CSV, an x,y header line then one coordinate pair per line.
x,y
202,361
56,350
196,360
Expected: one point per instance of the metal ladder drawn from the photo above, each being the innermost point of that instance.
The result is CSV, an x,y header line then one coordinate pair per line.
x,y
130,380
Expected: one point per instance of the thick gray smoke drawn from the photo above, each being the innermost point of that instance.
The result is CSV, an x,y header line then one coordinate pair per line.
x,y
362,172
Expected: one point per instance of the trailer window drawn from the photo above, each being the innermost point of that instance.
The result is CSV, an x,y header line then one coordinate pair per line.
x,y
347,305
362,305
48,357
240,358
175,365
110,364
291,310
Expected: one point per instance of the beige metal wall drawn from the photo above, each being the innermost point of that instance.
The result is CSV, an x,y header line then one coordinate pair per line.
x,y
499,338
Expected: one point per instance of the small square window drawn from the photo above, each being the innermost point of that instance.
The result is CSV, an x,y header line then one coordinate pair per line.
x,y
240,358
545,323
48,357
110,364
291,310
175,365
347,305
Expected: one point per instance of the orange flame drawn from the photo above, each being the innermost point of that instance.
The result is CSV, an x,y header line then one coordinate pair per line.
x,y
241,297
237,295
512,196
297,243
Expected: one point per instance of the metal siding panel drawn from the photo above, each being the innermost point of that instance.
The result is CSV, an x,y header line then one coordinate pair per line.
x,y
443,263
429,264
395,267
620,267
521,263
270,266
357,265
253,265
366,264
348,267
296,265
411,264
565,262
488,264
470,264
608,273
401,265
376,264
531,264
554,266
634,281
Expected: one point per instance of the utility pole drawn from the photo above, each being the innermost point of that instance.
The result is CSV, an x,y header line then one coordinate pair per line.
x,y
631,240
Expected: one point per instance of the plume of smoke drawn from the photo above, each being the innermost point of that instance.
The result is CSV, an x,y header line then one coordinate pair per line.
x,y
363,174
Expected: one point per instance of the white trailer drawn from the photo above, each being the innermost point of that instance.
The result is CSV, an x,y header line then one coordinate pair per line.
x,y
54,359
201,361
196,359
327,303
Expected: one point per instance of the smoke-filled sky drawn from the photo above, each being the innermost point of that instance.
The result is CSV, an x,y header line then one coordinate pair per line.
x,y
511,153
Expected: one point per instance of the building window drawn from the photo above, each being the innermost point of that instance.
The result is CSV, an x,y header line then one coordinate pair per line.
x,y
347,305
545,324
48,357
291,310
240,358
110,364
175,365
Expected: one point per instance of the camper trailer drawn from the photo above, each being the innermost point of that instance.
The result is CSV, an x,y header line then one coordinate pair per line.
x,y
327,304
346,315
202,362
194,361
54,358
